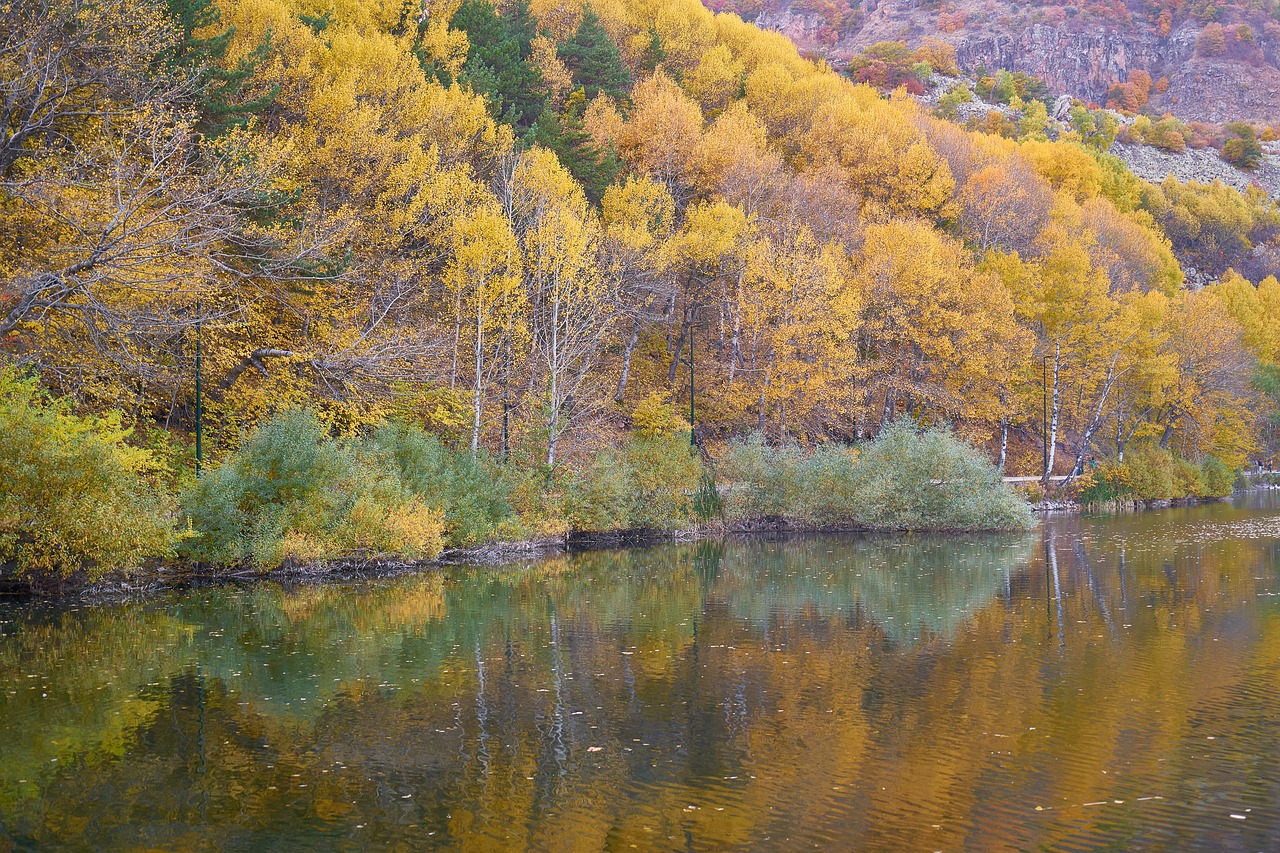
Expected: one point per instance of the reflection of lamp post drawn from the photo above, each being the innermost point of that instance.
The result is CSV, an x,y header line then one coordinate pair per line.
x,y
1044,421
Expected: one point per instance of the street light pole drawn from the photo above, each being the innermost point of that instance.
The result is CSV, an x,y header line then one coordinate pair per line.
x,y
199,391
693,441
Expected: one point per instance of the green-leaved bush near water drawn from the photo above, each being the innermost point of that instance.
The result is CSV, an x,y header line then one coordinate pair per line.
x,y
473,492
930,479
651,482
292,494
1150,473
905,479
75,496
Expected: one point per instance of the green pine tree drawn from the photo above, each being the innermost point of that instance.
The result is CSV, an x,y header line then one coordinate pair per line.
x,y
654,54
498,60
219,92
593,167
593,59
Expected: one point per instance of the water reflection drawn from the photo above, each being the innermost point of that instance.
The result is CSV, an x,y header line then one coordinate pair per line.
x,y
1103,682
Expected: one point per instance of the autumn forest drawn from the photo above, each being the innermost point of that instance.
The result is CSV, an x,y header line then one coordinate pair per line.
x,y
531,231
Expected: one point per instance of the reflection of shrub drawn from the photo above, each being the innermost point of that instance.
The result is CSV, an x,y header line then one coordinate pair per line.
x,y
74,496
292,494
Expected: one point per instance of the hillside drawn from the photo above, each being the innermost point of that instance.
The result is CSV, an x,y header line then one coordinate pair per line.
x,y
517,226
1221,62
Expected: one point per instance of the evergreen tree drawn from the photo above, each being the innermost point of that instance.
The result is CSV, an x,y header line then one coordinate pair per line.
x,y
654,54
593,59
593,167
498,60
219,92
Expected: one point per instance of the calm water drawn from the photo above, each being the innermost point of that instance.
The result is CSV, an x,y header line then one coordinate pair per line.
x,y
1101,683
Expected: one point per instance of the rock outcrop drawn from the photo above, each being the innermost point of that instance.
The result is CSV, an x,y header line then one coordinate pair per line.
x,y
1080,56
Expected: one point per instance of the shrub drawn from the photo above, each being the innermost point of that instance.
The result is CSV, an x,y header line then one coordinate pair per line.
x,y
473,493
1218,479
765,481
1149,473
655,416
907,479
1242,149
1106,483
827,481
76,496
948,104
1212,41
293,494
1153,473
930,479
649,483
1187,480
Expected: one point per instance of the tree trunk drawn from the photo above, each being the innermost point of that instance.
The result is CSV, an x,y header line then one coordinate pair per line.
x,y
553,416
679,348
1168,431
1057,406
1004,443
735,352
626,362
1120,442
1096,421
475,426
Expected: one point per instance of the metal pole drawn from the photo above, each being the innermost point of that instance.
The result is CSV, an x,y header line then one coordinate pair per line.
x,y
199,391
693,442
506,428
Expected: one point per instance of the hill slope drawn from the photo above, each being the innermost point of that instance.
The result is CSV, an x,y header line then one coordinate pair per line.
x,y
518,225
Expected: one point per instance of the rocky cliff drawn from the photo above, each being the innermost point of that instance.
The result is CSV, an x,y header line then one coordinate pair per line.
x,y
1084,54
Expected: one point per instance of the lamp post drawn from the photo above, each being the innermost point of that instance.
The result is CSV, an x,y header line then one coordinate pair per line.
x,y
693,441
693,327
199,390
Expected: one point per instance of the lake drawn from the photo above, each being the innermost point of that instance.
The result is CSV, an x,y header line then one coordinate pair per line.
x,y
1106,682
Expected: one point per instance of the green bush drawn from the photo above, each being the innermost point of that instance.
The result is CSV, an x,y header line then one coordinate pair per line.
x,y
1154,473
75,496
907,479
766,481
291,494
1187,479
930,479
650,483
1149,473
473,492
1105,484
828,479
1219,480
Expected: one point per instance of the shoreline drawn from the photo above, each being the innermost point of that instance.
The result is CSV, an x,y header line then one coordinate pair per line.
x,y
165,577
177,575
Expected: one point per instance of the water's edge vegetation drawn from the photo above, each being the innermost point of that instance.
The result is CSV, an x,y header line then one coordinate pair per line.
x,y
86,502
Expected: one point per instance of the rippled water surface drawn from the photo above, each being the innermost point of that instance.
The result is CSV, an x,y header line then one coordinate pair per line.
x,y
1108,683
